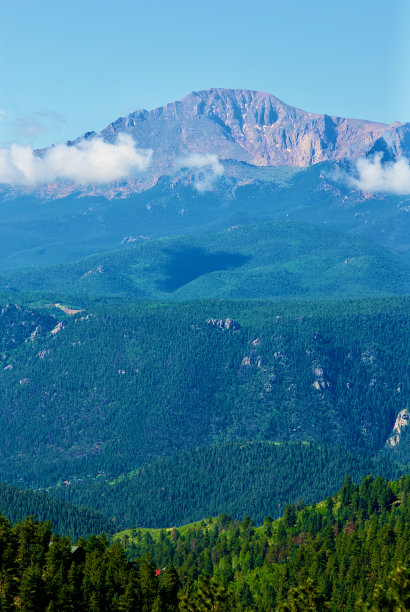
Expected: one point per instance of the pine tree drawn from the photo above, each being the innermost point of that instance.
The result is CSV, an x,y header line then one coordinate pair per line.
x,y
211,595
169,588
304,598
148,583
32,593
395,597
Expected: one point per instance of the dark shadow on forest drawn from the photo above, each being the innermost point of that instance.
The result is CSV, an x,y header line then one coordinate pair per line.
x,y
188,263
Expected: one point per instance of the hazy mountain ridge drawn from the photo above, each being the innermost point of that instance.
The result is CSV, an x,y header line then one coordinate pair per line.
x,y
264,260
36,232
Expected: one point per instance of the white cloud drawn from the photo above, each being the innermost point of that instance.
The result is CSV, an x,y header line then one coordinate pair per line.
x,y
88,161
391,177
207,169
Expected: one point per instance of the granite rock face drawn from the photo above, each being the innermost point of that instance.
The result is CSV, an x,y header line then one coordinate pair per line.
x,y
254,127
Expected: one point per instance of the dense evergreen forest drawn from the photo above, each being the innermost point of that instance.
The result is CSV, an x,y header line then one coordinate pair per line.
x,y
254,478
156,414
266,260
67,519
348,553
119,385
333,553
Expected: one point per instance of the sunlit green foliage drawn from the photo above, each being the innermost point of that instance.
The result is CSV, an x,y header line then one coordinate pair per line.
x,y
348,553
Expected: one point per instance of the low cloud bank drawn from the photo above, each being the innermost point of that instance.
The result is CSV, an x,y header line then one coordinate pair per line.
x,y
207,169
391,177
91,161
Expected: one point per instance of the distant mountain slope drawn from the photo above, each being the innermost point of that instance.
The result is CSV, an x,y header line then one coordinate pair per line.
x,y
21,326
120,385
255,479
36,232
247,261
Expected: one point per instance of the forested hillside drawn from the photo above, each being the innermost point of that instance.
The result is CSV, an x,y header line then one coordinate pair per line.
x,y
288,260
254,478
75,521
342,554
115,386
333,554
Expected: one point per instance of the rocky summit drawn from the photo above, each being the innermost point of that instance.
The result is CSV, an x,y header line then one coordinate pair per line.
x,y
245,126
254,127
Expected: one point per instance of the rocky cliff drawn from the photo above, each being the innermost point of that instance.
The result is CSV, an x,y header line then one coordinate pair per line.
x,y
255,127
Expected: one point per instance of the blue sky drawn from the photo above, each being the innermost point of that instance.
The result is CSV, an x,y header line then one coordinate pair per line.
x,y
70,67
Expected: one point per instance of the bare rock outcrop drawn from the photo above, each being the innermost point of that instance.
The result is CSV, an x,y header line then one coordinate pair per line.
x,y
230,324
402,421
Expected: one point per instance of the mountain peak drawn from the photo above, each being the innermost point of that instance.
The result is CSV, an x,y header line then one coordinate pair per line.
x,y
246,125
240,96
